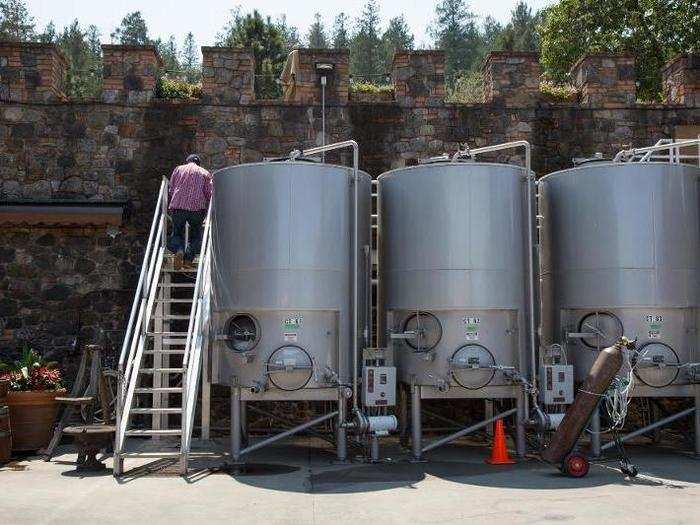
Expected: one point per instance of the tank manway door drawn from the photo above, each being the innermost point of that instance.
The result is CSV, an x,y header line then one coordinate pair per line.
x,y
473,366
598,330
290,368
656,365
421,331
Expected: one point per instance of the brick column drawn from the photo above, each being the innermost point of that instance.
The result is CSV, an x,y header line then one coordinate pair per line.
x,y
419,78
512,78
307,85
129,73
605,80
681,80
31,72
228,75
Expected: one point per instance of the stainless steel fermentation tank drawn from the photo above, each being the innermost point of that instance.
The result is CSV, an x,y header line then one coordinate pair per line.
x,y
620,254
453,273
283,277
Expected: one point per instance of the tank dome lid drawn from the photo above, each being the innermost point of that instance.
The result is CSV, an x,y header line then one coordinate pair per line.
x,y
597,157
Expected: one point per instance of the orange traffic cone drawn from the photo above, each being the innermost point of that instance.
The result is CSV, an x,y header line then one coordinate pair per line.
x,y
499,453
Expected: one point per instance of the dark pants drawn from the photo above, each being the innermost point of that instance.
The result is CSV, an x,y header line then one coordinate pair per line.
x,y
176,242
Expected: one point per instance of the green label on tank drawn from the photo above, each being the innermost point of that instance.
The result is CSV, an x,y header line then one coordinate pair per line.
x,y
292,322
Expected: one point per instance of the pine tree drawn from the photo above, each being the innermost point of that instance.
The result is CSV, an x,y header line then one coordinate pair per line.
x,y
190,59
290,34
454,30
49,34
341,35
83,54
316,37
521,32
397,37
132,30
15,22
365,49
169,55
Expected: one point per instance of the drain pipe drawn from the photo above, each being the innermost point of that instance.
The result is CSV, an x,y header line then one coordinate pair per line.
x,y
356,248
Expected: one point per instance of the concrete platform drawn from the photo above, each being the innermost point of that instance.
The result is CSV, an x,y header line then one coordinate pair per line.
x,y
297,483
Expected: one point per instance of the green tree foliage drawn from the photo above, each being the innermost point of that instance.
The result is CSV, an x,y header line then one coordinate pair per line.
x,y
366,45
290,34
455,31
84,56
653,30
520,34
190,60
15,22
341,34
49,34
132,30
169,55
267,42
316,37
397,37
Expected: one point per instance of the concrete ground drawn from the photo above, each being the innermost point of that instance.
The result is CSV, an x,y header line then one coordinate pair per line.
x,y
297,482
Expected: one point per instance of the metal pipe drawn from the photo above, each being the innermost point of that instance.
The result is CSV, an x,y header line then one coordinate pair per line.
x,y
531,240
416,431
656,424
356,248
287,433
633,152
341,445
595,433
447,439
520,447
235,422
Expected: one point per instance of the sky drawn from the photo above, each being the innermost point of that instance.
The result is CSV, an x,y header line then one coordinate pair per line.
x,y
205,18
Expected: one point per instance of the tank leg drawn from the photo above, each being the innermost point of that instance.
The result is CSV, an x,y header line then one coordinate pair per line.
x,y
416,430
235,423
697,421
595,433
244,423
520,424
341,440
374,448
403,415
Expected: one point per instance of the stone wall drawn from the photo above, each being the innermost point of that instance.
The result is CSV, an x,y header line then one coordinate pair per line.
x,y
119,148
681,80
31,72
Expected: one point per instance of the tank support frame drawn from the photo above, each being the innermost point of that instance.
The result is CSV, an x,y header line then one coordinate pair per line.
x,y
417,447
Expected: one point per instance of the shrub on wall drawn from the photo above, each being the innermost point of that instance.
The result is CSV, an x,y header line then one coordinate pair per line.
x,y
177,89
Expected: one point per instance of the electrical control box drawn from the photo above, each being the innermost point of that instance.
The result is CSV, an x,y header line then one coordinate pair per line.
x,y
556,384
379,386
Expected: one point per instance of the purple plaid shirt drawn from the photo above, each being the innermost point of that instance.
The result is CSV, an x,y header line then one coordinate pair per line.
x,y
190,188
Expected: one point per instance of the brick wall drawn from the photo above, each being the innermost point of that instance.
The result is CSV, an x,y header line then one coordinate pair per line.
x,y
419,78
681,80
31,72
228,75
130,73
605,80
512,78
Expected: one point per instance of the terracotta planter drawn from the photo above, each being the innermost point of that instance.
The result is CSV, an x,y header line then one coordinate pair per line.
x,y
32,416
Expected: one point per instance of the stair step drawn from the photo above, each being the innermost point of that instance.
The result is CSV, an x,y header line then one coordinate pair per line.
x,y
181,270
162,370
189,301
149,432
158,390
169,410
172,317
153,454
178,351
168,334
176,285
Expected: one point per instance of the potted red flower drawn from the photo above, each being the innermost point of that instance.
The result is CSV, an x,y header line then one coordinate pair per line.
x,y
34,385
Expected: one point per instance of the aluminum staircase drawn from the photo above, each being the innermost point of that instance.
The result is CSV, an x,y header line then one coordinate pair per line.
x,y
160,362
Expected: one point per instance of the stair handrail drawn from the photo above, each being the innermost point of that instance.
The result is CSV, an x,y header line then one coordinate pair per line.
x,y
140,310
666,149
195,339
